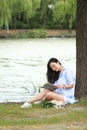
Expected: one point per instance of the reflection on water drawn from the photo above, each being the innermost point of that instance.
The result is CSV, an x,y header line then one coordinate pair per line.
x,y
23,64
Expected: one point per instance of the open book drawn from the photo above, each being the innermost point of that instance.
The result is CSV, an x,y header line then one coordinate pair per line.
x,y
49,86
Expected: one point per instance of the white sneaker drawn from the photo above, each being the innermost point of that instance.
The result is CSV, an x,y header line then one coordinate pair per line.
x,y
26,105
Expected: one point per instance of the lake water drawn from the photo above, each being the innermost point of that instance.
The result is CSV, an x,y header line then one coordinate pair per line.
x,y
23,64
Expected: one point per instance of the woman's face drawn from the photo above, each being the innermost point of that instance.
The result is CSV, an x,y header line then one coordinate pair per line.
x,y
54,66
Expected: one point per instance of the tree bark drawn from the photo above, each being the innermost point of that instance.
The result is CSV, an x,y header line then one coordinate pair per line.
x,y
81,49
44,11
15,22
7,27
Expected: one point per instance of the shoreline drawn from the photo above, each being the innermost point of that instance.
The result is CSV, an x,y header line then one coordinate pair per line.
x,y
50,33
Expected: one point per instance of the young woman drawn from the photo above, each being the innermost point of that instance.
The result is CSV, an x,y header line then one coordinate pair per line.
x,y
64,81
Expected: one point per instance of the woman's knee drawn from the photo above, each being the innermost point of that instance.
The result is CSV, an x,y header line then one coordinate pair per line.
x,y
49,95
52,95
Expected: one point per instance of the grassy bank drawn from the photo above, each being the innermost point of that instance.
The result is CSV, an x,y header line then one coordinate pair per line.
x,y
36,33
72,116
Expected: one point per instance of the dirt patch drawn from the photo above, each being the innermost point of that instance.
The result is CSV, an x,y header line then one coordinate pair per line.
x,y
50,32
72,126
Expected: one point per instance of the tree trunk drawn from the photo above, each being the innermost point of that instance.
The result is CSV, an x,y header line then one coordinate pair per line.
x,y
44,11
7,27
81,48
44,21
70,24
15,22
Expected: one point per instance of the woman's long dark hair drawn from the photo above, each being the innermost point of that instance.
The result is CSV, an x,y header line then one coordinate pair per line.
x,y
52,76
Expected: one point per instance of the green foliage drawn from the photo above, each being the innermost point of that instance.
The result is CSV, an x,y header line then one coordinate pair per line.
x,y
35,5
36,14
37,33
27,8
47,104
40,33
65,11
21,35
17,8
59,11
44,7
5,12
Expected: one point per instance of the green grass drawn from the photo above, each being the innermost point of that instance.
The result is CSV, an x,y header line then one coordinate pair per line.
x,y
13,115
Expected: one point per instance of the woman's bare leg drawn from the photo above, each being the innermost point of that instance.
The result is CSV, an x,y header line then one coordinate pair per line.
x,y
39,96
54,96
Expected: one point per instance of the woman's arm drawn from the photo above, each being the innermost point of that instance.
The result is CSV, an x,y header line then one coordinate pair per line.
x,y
68,86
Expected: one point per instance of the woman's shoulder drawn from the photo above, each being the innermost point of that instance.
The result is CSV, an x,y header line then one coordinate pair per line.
x,y
67,70
69,73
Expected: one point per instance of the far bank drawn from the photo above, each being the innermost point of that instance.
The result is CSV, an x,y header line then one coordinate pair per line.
x,y
36,33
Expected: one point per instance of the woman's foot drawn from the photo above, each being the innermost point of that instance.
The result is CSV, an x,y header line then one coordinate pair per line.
x,y
26,105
